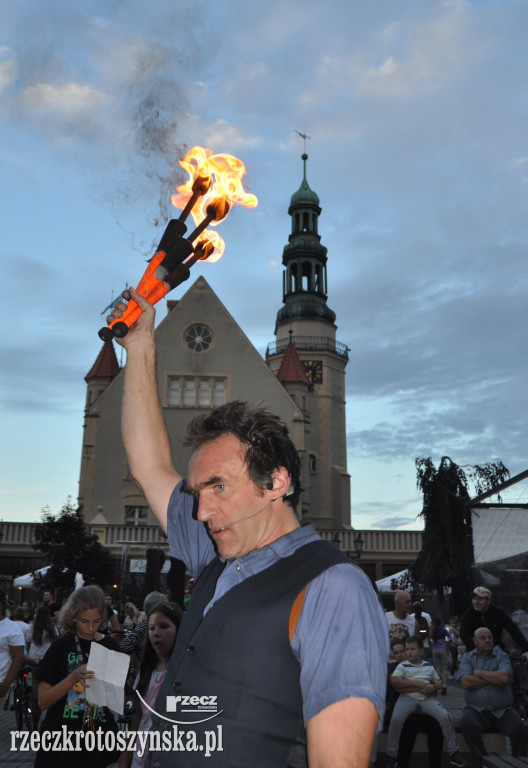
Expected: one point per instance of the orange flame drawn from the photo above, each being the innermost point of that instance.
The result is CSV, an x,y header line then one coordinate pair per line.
x,y
221,175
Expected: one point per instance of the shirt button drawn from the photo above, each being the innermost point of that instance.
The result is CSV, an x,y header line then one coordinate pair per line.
x,y
177,685
239,567
156,764
190,650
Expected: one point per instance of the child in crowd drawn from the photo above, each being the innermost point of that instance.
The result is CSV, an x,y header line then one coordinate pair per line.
x,y
18,618
43,633
163,623
440,638
456,646
131,616
65,680
416,681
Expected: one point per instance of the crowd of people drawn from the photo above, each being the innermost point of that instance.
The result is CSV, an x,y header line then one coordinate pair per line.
x,y
56,641
468,650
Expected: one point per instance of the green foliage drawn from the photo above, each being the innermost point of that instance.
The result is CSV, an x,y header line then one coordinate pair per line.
x,y
70,548
447,549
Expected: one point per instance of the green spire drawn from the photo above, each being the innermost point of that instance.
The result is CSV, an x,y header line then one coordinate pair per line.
x,y
304,194
304,259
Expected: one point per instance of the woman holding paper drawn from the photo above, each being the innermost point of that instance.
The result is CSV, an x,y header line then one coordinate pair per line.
x,y
65,683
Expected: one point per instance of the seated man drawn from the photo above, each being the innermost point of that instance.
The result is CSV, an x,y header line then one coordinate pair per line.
x,y
414,724
485,674
417,682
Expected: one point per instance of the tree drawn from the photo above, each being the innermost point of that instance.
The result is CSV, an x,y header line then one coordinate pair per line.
x,y
447,548
70,548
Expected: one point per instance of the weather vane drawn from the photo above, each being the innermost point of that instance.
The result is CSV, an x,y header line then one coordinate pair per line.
x,y
303,137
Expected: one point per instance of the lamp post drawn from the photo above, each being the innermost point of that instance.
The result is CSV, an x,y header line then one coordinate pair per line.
x,y
358,547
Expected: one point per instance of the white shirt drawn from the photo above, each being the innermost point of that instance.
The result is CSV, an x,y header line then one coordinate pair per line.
x,y
10,636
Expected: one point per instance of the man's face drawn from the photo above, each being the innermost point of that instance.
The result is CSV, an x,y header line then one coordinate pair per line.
x,y
240,515
399,652
108,599
404,602
47,597
483,642
414,653
481,604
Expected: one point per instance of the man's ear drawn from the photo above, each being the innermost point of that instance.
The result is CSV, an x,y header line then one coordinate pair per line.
x,y
281,480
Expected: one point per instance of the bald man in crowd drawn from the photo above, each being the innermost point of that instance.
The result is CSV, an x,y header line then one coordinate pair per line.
x,y
485,674
402,623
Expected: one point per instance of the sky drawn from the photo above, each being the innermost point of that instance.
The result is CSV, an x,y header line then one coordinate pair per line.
x,y
417,114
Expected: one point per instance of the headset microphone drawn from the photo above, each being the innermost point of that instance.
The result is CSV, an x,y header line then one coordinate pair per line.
x,y
241,519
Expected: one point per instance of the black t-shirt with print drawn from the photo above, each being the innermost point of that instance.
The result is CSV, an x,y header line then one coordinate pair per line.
x,y
59,661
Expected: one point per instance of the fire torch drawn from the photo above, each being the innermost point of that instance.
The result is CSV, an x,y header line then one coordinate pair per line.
x,y
213,186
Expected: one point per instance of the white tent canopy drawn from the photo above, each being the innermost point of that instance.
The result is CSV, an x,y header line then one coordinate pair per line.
x,y
28,581
499,533
384,585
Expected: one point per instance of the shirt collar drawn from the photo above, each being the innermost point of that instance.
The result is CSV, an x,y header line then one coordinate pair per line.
x,y
284,546
494,652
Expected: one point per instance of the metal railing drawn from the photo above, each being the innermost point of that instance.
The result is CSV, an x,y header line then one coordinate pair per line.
x,y
20,535
307,342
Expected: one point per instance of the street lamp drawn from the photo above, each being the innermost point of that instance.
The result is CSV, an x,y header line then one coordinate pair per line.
x,y
358,547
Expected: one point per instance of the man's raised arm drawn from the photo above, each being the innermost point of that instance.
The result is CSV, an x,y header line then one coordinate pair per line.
x,y
143,427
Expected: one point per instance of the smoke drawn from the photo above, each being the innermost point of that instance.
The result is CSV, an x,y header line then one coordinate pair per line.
x,y
105,87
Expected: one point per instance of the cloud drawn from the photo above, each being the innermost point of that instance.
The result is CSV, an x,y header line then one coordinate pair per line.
x,y
220,133
7,68
436,49
66,100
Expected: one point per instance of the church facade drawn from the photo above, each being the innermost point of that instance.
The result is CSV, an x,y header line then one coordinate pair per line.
x,y
205,360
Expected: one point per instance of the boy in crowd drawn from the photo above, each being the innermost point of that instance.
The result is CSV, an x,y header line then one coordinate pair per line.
x,y
417,682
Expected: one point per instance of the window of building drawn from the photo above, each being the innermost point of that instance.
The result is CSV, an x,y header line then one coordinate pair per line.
x,y
312,463
204,393
198,337
136,515
196,391
219,392
174,391
189,393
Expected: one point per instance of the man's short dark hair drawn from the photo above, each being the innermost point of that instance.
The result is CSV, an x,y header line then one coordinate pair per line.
x,y
264,437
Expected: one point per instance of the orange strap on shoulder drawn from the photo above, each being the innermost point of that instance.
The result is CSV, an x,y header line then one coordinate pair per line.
x,y
295,611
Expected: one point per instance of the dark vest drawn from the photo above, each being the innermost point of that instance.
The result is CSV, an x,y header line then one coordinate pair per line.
x,y
240,652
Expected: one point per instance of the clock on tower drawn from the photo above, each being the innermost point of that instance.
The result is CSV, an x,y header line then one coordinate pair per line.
x,y
313,370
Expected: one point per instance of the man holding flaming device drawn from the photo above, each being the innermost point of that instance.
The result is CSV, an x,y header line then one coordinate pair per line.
x,y
283,632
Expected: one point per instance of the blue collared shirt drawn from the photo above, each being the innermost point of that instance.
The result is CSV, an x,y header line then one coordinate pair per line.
x,y
341,638
492,698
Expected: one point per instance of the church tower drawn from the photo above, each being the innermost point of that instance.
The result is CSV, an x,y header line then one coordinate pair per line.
x,y
305,329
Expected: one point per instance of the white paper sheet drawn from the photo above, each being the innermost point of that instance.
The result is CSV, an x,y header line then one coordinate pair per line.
x,y
107,687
